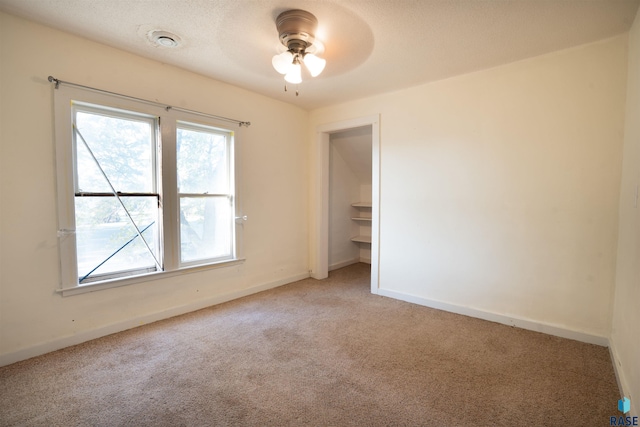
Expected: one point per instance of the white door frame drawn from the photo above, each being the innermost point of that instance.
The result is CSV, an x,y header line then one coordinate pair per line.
x,y
321,202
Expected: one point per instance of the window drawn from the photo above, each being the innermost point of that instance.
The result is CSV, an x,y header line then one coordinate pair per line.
x,y
116,198
204,193
142,190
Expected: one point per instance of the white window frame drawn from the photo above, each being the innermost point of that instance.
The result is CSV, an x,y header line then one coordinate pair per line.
x,y
168,119
77,140
229,142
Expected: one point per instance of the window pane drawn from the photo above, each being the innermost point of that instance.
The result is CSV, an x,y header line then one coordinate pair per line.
x,y
205,228
124,148
104,234
202,162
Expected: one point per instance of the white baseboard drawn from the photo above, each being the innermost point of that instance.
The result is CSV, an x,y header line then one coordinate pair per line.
x,y
348,262
341,264
623,385
499,318
59,343
616,368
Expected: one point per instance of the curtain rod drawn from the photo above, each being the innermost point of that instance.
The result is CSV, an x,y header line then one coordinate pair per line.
x,y
58,82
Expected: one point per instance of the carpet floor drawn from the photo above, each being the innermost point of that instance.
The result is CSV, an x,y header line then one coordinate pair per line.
x,y
315,353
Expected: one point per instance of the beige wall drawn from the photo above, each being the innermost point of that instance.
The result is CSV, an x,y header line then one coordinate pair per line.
x,y
499,189
33,318
625,334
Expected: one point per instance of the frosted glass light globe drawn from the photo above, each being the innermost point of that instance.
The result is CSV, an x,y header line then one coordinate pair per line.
x,y
314,64
294,76
282,62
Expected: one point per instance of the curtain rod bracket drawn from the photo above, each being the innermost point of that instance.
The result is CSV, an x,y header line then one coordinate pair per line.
x,y
53,79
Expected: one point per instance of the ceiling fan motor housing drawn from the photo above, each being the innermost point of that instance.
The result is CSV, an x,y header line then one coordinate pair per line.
x,y
296,29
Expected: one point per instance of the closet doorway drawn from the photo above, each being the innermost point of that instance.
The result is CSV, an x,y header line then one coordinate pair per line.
x,y
347,196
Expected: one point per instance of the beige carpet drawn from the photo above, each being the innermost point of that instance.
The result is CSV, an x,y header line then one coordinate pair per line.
x,y
316,353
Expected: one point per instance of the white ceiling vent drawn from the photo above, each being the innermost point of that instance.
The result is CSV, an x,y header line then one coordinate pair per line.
x,y
164,38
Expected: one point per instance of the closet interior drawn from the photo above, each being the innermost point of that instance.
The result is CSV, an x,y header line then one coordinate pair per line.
x,y
350,197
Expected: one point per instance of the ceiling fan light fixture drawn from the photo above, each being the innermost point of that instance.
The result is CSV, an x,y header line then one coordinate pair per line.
x,y
296,31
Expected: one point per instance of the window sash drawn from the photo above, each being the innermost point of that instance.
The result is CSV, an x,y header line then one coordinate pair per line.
x,y
122,114
231,226
108,258
91,267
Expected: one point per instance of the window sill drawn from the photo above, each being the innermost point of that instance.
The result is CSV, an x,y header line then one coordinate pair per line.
x,y
124,281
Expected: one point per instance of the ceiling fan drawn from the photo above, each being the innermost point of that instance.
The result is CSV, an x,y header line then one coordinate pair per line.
x,y
296,30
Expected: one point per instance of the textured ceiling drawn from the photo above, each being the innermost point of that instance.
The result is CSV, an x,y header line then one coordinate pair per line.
x,y
371,46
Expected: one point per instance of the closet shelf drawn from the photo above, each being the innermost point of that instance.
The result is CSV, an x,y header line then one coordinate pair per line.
x,y
361,239
364,220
